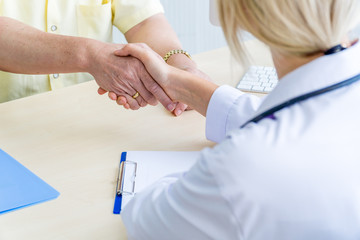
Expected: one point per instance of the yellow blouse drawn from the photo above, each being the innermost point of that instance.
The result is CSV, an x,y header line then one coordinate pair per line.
x,y
83,18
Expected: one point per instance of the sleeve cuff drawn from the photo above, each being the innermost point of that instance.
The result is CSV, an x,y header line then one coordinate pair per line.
x,y
221,103
127,17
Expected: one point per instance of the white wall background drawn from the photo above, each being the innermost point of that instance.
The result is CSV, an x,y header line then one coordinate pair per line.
x,y
190,19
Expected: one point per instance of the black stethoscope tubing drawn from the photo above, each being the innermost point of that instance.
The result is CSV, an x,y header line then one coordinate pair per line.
x,y
302,98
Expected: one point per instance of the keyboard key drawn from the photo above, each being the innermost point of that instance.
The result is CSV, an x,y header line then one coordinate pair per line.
x,y
258,88
246,83
268,89
266,84
256,83
244,87
258,79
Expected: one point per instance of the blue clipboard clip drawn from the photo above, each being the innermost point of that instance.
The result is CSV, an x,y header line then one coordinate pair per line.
x,y
120,192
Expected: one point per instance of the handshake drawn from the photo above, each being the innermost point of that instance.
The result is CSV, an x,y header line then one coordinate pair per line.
x,y
134,75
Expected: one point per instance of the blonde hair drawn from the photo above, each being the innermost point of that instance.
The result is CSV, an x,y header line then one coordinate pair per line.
x,y
293,27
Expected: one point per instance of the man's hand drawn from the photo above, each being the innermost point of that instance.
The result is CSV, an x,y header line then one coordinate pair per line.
x,y
124,76
178,108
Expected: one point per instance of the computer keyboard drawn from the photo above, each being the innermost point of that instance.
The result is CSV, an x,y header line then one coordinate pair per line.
x,y
258,79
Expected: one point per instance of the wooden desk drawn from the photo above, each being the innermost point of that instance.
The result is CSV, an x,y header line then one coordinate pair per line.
x,y
72,138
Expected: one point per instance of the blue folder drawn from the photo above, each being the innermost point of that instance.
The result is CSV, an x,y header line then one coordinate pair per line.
x,y
19,187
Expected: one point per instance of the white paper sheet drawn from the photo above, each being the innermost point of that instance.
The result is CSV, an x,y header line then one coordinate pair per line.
x,y
153,165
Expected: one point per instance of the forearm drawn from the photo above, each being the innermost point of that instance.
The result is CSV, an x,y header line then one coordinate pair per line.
x,y
190,89
157,33
27,50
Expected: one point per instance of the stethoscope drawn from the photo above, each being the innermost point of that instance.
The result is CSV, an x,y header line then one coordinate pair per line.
x,y
306,96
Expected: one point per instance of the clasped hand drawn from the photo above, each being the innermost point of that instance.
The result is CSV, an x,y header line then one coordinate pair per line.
x,y
124,70
124,76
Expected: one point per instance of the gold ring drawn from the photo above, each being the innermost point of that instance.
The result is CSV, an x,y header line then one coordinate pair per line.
x,y
136,95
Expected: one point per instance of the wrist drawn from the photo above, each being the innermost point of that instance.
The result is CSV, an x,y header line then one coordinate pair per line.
x,y
87,51
185,87
175,85
92,53
181,61
190,89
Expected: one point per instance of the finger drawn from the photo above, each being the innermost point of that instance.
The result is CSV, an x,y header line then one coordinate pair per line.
x,y
189,108
132,103
142,89
144,96
127,50
112,96
179,109
136,85
159,93
121,100
126,106
121,53
127,101
140,51
101,91
139,98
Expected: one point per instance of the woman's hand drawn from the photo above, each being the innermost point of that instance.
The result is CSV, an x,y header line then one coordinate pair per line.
x,y
153,62
179,85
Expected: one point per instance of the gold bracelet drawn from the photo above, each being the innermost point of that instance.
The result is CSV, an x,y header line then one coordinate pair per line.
x,y
172,52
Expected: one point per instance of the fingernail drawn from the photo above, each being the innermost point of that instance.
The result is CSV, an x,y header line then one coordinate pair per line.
x,y
178,112
171,107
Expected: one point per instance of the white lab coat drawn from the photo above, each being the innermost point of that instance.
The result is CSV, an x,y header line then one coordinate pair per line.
x,y
295,177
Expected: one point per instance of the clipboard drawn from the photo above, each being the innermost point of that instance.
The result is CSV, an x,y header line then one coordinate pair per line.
x,y
120,183
139,169
19,187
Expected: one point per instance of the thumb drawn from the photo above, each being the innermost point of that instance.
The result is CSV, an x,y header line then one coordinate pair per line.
x,y
122,52
140,51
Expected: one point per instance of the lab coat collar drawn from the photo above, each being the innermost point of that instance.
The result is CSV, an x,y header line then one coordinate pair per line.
x,y
317,74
